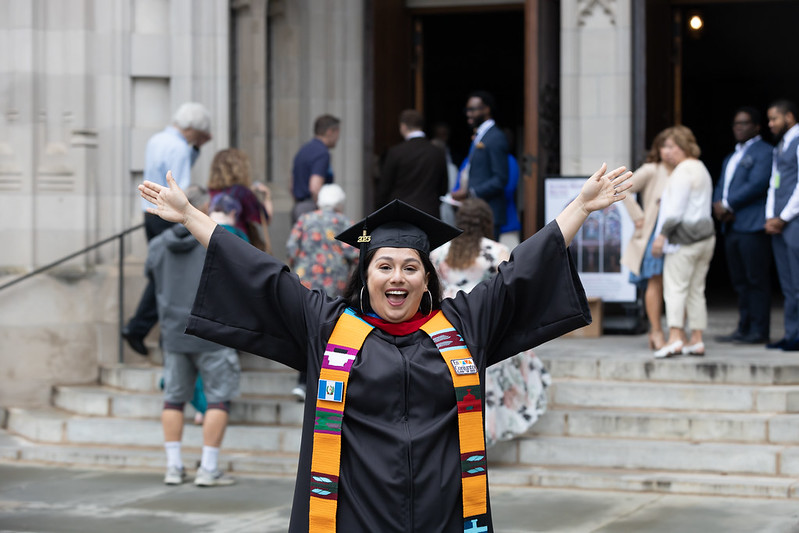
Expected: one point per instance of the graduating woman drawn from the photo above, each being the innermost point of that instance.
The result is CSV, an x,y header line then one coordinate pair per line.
x,y
392,439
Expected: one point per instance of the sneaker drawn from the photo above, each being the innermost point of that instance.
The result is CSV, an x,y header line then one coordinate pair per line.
x,y
175,476
299,392
204,478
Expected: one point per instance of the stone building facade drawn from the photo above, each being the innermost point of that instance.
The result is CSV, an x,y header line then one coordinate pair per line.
x,y
84,83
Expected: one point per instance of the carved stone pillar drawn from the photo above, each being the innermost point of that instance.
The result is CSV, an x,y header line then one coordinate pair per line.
x,y
316,67
596,79
249,96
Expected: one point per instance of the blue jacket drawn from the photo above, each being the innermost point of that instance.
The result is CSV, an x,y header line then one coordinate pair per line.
x,y
488,172
748,188
512,222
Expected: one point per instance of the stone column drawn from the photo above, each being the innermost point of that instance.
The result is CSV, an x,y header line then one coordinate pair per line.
x,y
47,95
317,67
250,95
596,80
17,74
65,219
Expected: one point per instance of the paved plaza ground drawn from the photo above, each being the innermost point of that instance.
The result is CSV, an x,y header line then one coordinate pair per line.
x,y
50,499
42,498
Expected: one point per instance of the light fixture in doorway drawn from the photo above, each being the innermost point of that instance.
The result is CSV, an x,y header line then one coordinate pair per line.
x,y
696,23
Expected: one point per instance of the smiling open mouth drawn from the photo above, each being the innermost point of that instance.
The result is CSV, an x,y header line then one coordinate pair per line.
x,y
396,296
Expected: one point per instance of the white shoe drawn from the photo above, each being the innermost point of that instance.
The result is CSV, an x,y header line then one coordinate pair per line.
x,y
205,478
669,350
694,349
299,392
175,476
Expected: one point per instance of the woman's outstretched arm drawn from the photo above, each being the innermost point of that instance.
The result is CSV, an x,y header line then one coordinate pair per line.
x,y
172,205
599,191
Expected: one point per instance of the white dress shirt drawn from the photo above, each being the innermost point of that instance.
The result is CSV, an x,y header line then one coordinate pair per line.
x,y
732,166
481,131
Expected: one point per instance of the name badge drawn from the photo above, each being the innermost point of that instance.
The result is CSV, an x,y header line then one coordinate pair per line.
x,y
464,366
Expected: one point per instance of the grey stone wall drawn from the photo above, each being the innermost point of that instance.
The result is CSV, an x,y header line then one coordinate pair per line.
x,y
83,84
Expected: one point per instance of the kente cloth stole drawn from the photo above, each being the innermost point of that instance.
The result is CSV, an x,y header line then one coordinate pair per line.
x,y
466,379
343,346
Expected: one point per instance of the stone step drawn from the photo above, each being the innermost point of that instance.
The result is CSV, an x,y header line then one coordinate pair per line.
x,y
646,481
16,449
95,400
253,362
572,358
147,378
153,459
758,428
675,396
50,425
636,454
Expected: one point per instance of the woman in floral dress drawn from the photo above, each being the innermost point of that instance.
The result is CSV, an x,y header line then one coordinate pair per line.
x,y
319,260
515,389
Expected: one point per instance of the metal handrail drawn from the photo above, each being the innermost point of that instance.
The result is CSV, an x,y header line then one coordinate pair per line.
x,y
120,281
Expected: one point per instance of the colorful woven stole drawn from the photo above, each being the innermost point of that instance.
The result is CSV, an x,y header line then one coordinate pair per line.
x,y
466,379
343,346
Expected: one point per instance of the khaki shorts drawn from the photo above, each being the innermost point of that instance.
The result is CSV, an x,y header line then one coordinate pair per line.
x,y
219,369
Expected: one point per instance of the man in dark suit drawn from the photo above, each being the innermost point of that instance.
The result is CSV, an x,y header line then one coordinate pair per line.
x,y
485,171
782,213
414,171
739,203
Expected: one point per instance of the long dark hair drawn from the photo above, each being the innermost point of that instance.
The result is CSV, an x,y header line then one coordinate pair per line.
x,y
353,291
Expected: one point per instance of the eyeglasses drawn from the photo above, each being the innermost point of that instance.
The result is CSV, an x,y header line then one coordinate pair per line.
x,y
473,109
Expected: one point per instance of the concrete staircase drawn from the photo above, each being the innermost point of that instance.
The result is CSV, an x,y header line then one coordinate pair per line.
x,y
116,422
725,424
722,424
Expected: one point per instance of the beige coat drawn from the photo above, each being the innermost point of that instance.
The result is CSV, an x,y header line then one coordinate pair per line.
x,y
648,181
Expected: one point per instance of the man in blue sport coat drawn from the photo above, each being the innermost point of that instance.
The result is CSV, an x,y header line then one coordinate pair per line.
x,y
739,203
486,167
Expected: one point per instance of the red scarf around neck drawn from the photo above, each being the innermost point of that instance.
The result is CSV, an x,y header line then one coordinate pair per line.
x,y
402,328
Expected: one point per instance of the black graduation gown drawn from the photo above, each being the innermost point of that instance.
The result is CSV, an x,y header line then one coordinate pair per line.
x,y
400,459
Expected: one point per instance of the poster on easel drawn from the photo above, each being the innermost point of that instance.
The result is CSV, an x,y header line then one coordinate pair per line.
x,y
598,246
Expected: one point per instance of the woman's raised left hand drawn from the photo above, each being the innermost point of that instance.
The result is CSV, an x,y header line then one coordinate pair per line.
x,y
604,188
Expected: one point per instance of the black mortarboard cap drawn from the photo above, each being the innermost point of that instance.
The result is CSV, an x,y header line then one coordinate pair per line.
x,y
398,225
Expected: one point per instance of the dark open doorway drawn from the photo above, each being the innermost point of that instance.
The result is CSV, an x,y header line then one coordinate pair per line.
x,y
430,59
743,55
468,51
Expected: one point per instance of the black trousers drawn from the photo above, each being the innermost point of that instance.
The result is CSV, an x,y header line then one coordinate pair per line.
x,y
146,314
749,265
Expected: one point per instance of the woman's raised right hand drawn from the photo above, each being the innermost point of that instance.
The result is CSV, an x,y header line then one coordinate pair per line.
x,y
170,202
